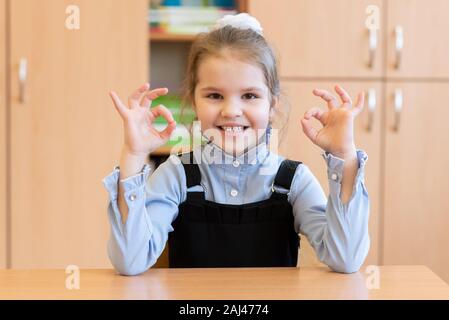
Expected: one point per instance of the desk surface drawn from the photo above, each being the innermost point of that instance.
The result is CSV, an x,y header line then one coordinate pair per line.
x,y
396,282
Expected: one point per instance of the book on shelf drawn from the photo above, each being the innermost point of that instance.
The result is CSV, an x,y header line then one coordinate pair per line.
x,y
185,20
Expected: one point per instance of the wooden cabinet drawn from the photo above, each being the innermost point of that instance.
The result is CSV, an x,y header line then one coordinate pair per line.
x,y
425,48
321,38
297,146
65,134
416,179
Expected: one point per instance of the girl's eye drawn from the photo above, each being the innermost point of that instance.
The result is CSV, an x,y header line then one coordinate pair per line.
x,y
214,96
249,96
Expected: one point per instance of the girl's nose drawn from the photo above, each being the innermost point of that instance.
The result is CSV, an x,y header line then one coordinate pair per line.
x,y
231,110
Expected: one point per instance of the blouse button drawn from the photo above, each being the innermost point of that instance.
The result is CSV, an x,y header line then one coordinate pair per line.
x,y
234,192
334,176
235,163
132,197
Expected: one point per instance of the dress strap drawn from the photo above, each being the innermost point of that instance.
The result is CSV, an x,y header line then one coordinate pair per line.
x,y
285,174
193,174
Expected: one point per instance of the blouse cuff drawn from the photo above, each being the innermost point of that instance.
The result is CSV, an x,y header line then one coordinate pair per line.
x,y
335,175
131,183
335,165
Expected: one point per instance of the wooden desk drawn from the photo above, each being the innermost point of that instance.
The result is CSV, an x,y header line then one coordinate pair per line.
x,y
396,282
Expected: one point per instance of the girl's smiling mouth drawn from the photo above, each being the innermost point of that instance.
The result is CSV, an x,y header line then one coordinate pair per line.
x,y
232,129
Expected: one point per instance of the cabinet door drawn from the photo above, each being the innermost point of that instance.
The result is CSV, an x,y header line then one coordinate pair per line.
x,y
425,48
321,38
416,179
65,133
3,148
297,146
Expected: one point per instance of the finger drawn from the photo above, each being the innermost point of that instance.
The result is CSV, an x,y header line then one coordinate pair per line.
x,y
360,103
121,108
135,97
161,110
316,113
309,130
166,133
327,96
153,94
344,96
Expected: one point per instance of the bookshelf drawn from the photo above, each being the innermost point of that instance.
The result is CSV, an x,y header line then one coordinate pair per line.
x,y
169,37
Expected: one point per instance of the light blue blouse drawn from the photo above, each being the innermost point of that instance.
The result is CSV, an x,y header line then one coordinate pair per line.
x,y
338,232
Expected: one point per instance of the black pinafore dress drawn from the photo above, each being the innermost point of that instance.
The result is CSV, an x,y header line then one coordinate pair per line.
x,y
259,234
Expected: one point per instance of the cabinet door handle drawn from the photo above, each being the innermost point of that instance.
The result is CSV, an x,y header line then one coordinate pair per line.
x,y
371,94
23,73
398,103
372,43
399,45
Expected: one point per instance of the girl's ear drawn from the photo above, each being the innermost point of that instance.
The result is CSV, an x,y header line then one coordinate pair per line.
x,y
193,103
274,106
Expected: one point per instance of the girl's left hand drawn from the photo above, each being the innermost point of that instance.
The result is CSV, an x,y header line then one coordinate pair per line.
x,y
336,136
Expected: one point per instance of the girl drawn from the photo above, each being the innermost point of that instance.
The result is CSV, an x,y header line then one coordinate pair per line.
x,y
226,206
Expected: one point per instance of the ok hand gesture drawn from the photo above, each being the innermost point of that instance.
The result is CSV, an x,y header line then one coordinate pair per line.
x,y
336,136
141,138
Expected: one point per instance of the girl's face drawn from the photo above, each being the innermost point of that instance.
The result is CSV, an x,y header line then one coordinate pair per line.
x,y
232,103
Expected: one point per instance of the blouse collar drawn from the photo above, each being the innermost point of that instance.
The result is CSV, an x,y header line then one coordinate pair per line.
x,y
213,154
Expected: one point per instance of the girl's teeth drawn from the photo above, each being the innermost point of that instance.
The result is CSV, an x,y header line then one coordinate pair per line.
x,y
233,129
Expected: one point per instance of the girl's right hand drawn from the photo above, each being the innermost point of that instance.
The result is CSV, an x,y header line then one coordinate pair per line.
x,y
141,138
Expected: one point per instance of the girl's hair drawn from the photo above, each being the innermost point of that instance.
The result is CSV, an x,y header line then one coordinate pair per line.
x,y
247,45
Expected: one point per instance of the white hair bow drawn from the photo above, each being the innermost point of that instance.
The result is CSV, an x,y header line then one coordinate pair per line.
x,y
240,21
